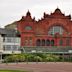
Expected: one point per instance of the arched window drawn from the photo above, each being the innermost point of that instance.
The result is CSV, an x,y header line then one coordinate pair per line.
x,y
43,42
52,42
61,42
55,29
68,42
38,42
28,28
47,42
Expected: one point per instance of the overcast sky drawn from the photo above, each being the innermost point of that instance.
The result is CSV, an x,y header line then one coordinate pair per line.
x,y
13,10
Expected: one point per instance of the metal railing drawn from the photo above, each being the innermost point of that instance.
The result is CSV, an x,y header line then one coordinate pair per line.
x,y
52,49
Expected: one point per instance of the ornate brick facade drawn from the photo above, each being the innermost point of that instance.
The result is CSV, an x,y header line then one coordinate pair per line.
x,y
52,30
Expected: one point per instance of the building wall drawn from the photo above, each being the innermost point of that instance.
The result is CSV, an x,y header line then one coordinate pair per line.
x,y
11,44
33,32
1,43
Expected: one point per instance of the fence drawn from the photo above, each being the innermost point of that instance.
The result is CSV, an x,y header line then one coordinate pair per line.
x,y
53,49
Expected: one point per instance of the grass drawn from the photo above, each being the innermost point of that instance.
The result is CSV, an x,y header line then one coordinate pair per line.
x,y
11,71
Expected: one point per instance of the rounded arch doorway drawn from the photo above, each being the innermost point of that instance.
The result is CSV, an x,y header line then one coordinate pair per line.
x,y
38,42
43,42
47,42
52,42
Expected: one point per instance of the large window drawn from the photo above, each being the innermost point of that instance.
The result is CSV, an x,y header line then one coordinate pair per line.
x,y
10,47
55,29
11,39
28,41
7,48
14,47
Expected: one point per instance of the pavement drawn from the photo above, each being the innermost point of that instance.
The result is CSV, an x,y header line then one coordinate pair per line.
x,y
39,67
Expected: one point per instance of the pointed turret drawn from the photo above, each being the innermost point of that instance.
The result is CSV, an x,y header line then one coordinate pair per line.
x,y
28,13
45,15
58,11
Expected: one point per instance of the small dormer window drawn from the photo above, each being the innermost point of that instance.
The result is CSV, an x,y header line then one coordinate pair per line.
x,y
28,28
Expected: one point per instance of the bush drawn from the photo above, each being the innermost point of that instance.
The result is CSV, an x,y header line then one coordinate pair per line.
x,y
52,58
36,58
29,58
14,58
21,58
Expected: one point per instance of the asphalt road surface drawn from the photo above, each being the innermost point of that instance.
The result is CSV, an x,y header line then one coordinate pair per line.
x,y
39,67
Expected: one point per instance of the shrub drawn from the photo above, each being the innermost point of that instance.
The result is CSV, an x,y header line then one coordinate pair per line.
x,y
51,57
37,59
29,58
14,58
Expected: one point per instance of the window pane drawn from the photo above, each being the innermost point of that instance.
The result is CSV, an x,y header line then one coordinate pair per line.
x,y
52,42
7,47
28,28
38,42
61,42
47,42
14,47
55,29
43,42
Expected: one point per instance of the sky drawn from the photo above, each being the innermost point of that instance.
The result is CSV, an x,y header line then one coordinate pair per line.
x,y
13,10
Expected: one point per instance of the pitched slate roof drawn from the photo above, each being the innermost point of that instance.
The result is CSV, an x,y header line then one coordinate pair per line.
x,y
7,32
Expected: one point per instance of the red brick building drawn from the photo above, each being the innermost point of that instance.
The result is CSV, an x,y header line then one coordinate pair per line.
x,y
52,30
